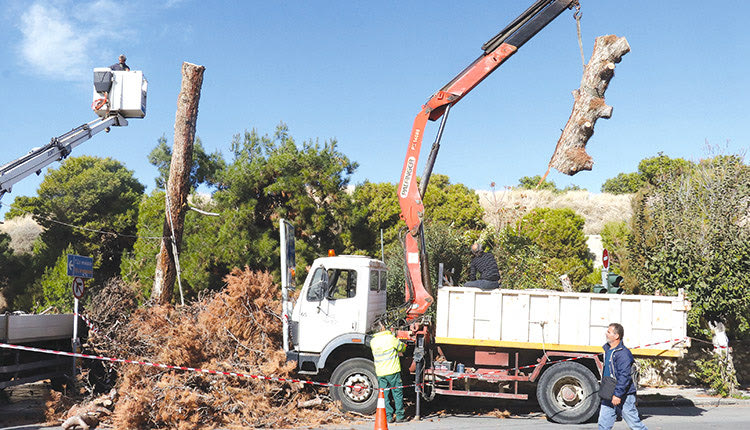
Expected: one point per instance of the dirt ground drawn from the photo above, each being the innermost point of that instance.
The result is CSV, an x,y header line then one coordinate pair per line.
x,y
25,405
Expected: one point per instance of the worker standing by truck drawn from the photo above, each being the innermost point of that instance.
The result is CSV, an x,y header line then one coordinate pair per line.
x,y
618,363
386,349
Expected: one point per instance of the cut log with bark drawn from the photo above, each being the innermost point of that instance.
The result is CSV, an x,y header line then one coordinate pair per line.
x,y
178,184
570,155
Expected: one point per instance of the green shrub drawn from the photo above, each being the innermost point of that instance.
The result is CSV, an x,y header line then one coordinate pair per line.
x,y
716,373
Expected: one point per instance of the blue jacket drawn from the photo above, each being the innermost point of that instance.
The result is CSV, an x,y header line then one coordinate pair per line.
x,y
622,365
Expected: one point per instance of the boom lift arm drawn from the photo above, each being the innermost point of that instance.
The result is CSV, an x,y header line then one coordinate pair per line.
x,y
496,51
57,149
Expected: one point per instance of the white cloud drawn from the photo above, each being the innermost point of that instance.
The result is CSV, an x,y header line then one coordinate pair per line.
x,y
51,43
63,40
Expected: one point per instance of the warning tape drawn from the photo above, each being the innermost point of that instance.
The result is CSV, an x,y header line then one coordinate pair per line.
x,y
190,369
274,378
159,365
88,322
710,343
531,366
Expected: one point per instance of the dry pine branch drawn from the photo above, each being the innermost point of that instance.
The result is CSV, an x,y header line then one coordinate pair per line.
x,y
570,155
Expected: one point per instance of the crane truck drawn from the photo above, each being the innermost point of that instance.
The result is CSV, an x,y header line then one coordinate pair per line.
x,y
117,96
501,343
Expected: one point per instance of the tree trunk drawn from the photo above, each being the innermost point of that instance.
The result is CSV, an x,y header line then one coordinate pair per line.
x,y
178,184
570,155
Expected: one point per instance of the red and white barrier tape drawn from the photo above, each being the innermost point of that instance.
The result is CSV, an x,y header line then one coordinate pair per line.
x,y
245,375
710,343
600,353
190,369
93,329
163,366
278,379
88,322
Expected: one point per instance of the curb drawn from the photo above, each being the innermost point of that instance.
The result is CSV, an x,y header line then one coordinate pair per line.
x,y
693,401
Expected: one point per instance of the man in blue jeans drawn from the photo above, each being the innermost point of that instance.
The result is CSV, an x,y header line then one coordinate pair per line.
x,y
618,363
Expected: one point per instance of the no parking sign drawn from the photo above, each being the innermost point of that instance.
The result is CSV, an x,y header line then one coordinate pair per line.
x,y
78,287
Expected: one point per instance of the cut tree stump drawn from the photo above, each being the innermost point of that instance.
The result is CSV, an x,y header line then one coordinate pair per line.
x,y
178,184
570,155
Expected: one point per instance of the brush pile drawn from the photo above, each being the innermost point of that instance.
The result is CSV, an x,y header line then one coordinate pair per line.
x,y
237,330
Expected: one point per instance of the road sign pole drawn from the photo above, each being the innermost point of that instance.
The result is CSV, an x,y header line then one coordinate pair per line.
x,y
75,343
78,287
75,318
79,267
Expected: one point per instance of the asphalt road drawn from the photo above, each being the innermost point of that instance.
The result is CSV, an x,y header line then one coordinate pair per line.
x,y
695,412
655,418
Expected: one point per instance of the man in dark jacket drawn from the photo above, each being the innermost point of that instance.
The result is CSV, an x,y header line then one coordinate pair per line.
x,y
120,65
618,364
485,264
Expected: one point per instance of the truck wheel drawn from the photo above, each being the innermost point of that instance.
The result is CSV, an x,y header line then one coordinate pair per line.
x,y
567,393
357,390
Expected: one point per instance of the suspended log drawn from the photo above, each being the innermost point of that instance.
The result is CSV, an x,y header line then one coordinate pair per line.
x,y
570,155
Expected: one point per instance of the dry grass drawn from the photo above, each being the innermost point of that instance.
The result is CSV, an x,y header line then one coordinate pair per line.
x,y
23,232
237,329
505,206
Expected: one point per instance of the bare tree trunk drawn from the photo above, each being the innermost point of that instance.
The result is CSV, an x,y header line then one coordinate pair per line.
x,y
178,184
570,155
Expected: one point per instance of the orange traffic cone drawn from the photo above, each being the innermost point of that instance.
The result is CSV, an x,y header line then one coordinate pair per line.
x,y
381,420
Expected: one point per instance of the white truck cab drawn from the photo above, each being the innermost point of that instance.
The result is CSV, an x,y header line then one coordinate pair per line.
x,y
342,296
325,330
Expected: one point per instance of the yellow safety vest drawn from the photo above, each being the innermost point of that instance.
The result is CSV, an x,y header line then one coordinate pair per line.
x,y
385,348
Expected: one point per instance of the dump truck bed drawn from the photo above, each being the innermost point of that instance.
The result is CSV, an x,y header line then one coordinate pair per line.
x,y
20,329
655,326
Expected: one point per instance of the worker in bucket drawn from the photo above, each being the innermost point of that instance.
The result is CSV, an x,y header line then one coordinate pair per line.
x,y
121,64
483,263
618,388
386,349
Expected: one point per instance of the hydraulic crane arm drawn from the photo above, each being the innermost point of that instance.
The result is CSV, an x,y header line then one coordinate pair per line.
x,y
496,51
58,148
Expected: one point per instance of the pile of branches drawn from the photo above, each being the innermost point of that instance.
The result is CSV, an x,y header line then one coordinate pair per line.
x,y
236,330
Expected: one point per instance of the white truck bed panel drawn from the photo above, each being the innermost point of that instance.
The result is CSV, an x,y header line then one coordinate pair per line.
x,y
18,329
556,320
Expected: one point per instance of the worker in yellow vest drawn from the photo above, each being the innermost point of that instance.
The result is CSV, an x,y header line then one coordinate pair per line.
x,y
386,349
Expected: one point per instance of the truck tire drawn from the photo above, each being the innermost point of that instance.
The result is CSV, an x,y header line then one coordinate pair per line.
x,y
360,373
567,393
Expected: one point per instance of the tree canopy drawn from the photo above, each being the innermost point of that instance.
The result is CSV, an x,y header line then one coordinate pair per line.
x,y
558,234
690,230
535,182
89,203
204,170
650,171
269,178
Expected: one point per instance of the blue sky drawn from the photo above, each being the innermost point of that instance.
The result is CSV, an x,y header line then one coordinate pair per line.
x,y
358,72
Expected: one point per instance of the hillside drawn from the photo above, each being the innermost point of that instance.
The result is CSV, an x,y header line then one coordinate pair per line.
x,y
503,206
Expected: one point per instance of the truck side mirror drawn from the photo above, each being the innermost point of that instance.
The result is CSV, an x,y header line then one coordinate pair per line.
x,y
318,286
